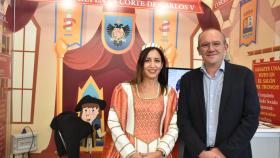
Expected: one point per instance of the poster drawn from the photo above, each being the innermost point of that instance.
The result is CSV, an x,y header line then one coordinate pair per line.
x,y
267,75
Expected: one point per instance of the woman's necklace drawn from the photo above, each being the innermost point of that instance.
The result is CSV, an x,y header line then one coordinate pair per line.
x,y
137,92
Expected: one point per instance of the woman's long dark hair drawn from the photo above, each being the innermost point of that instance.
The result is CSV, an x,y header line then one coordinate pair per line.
x,y
162,79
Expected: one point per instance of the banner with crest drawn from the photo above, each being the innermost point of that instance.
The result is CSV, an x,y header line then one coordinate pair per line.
x,y
165,28
118,32
69,24
248,22
165,33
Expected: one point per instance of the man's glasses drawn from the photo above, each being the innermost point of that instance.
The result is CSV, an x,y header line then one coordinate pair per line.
x,y
207,45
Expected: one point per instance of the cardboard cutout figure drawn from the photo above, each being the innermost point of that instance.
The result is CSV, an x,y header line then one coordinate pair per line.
x,y
90,111
70,129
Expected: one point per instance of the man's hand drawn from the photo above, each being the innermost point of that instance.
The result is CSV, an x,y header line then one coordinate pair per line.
x,y
208,154
218,151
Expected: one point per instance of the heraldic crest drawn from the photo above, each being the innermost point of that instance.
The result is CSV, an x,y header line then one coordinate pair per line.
x,y
118,32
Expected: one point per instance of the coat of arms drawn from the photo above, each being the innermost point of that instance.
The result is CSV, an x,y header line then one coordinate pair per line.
x,y
118,32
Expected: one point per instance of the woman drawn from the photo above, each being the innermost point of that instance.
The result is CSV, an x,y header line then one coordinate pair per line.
x,y
142,118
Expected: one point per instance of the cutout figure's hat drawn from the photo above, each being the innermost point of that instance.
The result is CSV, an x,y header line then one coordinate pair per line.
x,y
90,99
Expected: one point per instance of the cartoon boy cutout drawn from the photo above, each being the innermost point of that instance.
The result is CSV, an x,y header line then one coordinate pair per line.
x,y
90,111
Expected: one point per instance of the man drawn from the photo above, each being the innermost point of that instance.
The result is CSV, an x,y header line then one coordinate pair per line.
x,y
218,104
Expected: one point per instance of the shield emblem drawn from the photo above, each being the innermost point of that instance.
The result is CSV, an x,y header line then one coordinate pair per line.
x,y
118,32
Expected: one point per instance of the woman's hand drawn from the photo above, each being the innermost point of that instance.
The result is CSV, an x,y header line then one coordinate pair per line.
x,y
136,155
156,154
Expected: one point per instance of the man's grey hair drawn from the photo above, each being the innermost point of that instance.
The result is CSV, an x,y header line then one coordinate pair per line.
x,y
224,36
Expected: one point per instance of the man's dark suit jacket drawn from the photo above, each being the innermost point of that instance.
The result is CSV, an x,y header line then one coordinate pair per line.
x,y
238,113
